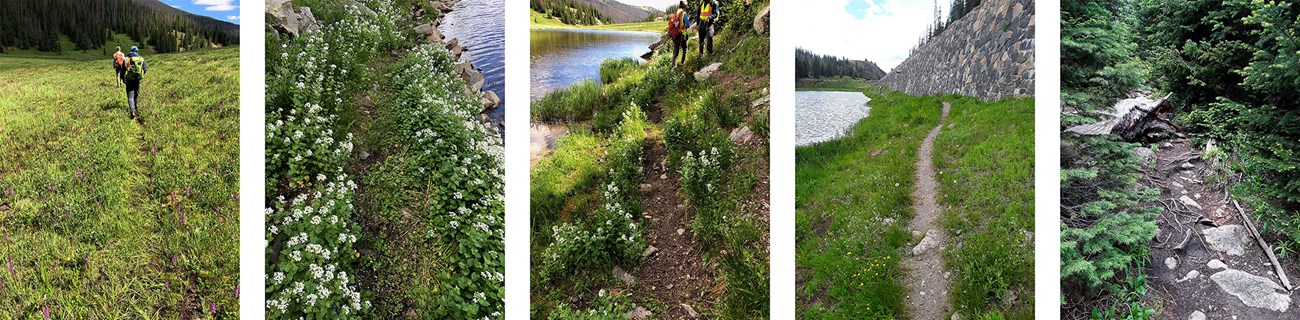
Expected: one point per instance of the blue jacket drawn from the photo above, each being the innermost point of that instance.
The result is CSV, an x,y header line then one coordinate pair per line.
x,y
144,67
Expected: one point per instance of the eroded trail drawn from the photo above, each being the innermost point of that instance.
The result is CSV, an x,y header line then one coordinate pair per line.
x,y
1204,262
674,272
925,279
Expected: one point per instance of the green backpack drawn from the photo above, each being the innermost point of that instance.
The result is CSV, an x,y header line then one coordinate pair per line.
x,y
134,68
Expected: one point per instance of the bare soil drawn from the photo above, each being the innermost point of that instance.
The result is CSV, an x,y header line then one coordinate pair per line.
x,y
677,273
926,279
1174,299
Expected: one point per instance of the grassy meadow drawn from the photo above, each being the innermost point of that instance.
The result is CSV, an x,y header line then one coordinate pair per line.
x,y
107,217
853,202
648,151
540,21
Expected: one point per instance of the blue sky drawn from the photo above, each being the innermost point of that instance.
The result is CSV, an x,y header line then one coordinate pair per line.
x,y
882,31
224,10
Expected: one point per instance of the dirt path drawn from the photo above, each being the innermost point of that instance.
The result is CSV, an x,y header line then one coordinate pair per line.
x,y
675,274
1220,277
925,279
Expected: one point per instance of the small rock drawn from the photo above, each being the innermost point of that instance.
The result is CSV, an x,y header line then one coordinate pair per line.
x,y
663,176
1188,165
1148,157
1196,315
649,250
1228,238
1167,145
1171,263
930,241
951,125
1190,203
680,231
956,316
741,135
365,155
707,71
1216,264
645,187
690,311
1176,184
640,313
760,102
430,31
1190,275
490,100
453,45
627,279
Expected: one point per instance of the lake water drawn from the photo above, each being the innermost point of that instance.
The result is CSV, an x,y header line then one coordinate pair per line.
x,y
826,115
480,26
563,57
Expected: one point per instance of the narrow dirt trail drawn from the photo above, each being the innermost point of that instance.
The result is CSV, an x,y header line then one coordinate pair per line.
x,y
675,274
1203,261
925,279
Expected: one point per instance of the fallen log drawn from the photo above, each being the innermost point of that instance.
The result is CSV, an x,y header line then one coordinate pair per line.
x,y
1135,119
1281,273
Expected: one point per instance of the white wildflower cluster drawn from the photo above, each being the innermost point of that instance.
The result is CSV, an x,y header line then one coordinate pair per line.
x,y
463,154
310,242
701,176
311,78
611,235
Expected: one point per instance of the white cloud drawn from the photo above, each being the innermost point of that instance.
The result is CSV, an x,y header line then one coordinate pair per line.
x,y
884,36
217,5
232,17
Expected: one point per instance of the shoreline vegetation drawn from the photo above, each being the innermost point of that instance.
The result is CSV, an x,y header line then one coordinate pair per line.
x,y
385,179
983,158
655,203
540,21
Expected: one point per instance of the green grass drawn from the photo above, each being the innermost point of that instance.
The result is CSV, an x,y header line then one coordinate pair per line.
x,y
110,218
852,207
571,183
540,21
69,51
986,175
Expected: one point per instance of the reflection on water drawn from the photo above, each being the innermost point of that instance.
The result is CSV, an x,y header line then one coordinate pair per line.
x,y
561,58
542,139
825,115
480,26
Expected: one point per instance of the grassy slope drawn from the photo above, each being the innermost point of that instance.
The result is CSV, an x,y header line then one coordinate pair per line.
x,y
842,190
539,21
69,50
113,244
570,171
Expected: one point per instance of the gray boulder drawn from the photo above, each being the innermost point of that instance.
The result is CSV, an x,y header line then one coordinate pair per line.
x,y
282,18
762,21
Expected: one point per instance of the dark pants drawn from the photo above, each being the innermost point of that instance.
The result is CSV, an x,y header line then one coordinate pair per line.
x,y
121,74
706,36
132,95
679,44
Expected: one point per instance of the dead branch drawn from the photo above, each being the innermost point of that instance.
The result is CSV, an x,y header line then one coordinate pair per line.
x,y
1267,249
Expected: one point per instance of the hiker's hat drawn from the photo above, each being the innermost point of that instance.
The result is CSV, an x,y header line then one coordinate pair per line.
x,y
134,49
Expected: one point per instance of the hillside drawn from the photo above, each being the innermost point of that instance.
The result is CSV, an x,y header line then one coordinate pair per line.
x,y
606,11
812,65
620,12
55,25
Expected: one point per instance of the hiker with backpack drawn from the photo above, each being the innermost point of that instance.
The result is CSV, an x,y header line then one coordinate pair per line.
x,y
709,12
678,22
119,65
135,70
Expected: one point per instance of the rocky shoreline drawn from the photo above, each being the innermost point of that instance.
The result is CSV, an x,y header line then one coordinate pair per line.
x,y
283,19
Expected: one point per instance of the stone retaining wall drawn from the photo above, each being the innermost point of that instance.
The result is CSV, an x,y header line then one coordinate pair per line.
x,y
988,54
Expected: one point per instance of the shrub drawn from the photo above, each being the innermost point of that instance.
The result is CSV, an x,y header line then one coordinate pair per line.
x,y
559,177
